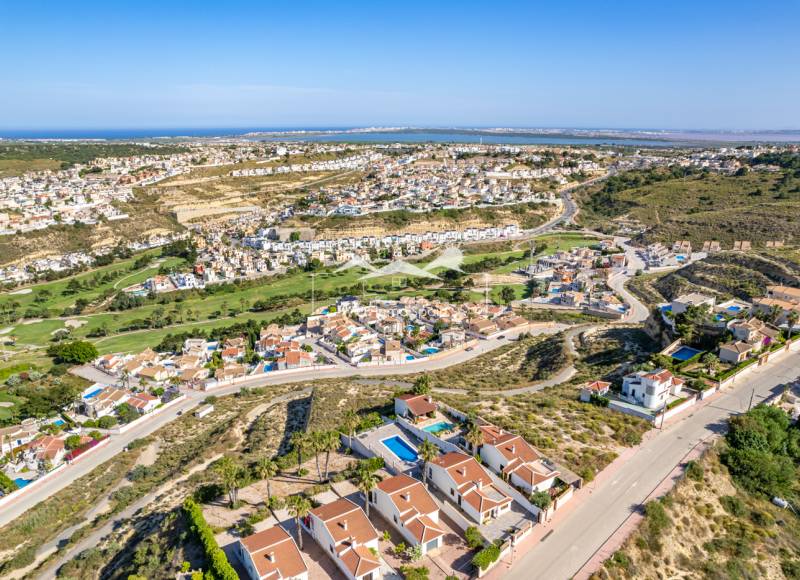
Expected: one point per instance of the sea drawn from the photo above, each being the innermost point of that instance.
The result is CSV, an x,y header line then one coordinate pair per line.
x,y
346,134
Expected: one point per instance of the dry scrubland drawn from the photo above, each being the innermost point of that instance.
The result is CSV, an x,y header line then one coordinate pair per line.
x,y
740,275
754,207
513,365
707,528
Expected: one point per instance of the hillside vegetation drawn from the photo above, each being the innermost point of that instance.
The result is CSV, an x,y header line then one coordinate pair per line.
x,y
726,274
682,204
718,522
17,157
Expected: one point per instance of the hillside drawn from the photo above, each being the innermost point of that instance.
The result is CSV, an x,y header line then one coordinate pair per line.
x,y
524,215
718,521
755,206
147,217
729,274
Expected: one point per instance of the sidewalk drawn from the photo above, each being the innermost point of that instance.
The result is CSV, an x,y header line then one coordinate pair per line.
x,y
542,531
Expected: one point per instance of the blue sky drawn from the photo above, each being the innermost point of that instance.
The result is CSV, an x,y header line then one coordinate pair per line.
x,y
710,64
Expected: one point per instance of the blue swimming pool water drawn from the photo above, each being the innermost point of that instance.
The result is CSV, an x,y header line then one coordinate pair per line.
x,y
58,422
666,308
400,448
409,357
685,353
21,482
431,350
733,308
438,427
93,394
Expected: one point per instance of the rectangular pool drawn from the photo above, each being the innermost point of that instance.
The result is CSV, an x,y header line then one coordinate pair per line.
x,y
401,448
93,394
438,427
685,353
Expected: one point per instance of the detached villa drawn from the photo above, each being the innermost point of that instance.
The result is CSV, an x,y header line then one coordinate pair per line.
x,y
414,407
651,389
462,479
272,554
342,529
515,460
405,502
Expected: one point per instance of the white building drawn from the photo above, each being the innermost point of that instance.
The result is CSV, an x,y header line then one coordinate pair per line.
x,y
651,389
468,485
409,507
272,554
343,531
515,460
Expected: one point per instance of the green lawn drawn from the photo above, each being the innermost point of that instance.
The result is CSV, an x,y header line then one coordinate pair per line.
x,y
213,309
57,301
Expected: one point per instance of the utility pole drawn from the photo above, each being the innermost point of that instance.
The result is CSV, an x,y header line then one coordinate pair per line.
x,y
663,414
486,290
752,395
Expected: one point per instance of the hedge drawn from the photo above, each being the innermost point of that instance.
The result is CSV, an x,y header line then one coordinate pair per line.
x,y
486,557
218,565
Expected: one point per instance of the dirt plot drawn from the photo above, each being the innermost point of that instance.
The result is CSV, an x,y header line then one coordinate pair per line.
x,y
584,437
516,364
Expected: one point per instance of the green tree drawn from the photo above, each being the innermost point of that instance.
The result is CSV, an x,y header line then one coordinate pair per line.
x,y
72,442
427,453
507,294
366,482
474,437
422,385
300,443
231,475
329,442
541,499
74,352
350,423
299,507
267,469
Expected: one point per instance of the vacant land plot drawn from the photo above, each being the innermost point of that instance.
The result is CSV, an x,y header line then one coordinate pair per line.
x,y
607,353
511,366
756,207
707,528
583,437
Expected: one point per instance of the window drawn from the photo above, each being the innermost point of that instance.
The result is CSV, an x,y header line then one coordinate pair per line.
x,y
452,491
395,518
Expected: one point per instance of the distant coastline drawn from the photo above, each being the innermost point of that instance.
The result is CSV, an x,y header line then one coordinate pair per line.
x,y
498,135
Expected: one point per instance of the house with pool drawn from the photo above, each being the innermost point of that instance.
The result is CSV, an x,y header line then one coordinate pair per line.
x,y
468,485
651,389
405,503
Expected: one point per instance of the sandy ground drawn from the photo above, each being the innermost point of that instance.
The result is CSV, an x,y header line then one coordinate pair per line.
x,y
75,322
19,292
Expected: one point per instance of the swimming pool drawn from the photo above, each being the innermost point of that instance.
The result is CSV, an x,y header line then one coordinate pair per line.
x,y
685,353
93,394
438,427
409,357
58,422
431,350
401,448
733,308
22,482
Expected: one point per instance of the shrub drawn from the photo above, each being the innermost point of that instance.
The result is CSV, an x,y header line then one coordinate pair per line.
x,y
412,573
733,505
473,537
541,499
694,471
486,557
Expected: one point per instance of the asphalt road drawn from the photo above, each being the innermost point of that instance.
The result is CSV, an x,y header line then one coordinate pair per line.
x,y
154,422
575,539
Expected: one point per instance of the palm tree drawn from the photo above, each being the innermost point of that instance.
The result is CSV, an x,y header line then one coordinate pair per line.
x,y
791,320
267,469
350,423
299,441
427,453
316,444
330,442
366,482
474,437
299,506
232,475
